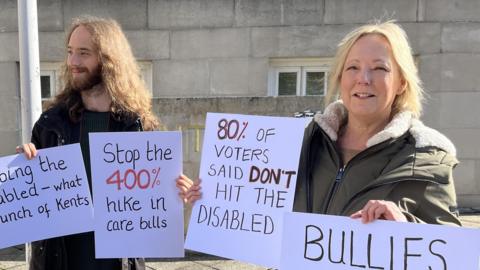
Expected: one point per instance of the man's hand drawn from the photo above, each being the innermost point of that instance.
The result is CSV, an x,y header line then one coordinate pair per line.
x,y
379,209
28,149
189,190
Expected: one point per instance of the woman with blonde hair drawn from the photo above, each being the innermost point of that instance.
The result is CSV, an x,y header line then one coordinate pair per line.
x,y
368,155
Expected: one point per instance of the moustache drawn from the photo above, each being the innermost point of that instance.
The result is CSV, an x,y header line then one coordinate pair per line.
x,y
77,69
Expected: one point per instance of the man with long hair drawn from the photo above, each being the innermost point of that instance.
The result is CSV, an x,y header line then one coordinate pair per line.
x,y
102,92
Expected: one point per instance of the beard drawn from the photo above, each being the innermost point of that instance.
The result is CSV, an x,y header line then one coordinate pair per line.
x,y
86,81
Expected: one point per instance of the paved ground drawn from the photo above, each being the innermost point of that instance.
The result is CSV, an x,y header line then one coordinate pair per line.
x,y
14,258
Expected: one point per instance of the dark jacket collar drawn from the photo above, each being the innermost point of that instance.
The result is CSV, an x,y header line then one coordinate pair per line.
x,y
336,114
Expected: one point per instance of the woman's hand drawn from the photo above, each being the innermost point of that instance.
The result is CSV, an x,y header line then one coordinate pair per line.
x,y
28,149
189,190
379,209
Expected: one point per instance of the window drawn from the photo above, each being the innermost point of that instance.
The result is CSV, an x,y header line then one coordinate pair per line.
x,y
50,74
298,77
287,81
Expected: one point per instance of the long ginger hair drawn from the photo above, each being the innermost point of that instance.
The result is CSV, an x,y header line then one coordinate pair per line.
x,y
119,72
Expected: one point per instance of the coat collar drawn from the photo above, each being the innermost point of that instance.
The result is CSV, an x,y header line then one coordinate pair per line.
x,y
336,114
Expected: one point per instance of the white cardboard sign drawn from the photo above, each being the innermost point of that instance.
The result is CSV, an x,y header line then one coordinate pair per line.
x,y
248,170
138,212
312,241
45,197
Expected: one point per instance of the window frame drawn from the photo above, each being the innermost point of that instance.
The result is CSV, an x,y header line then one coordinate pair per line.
x,y
51,69
305,70
301,66
288,70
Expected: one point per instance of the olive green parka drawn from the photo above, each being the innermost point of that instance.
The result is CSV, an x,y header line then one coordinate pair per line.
x,y
406,163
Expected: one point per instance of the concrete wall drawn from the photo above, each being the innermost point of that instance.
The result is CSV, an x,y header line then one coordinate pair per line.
x,y
205,52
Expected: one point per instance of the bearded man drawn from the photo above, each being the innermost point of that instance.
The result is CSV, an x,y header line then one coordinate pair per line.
x,y
102,92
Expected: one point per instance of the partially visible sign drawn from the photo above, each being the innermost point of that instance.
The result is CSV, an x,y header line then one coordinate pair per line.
x,y
138,212
312,241
248,171
45,197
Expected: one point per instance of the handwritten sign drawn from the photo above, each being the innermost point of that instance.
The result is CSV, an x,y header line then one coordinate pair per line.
x,y
45,197
138,212
312,241
248,171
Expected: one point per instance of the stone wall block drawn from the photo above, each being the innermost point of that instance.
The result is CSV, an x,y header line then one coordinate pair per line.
x,y
8,16
298,41
187,78
468,198
274,13
353,11
458,72
149,44
258,76
450,72
10,139
239,77
429,70
10,114
229,77
464,177
464,140
181,110
212,43
131,14
184,14
10,50
424,38
461,37
9,97
452,10
52,46
258,13
453,110
192,144
49,15
303,12
10,81
185,112
274,106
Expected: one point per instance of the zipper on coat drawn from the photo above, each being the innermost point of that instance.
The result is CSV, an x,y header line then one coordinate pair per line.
x,y
60,140
333,190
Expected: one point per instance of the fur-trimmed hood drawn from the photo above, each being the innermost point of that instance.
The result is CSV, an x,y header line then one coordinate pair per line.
x,y
336,114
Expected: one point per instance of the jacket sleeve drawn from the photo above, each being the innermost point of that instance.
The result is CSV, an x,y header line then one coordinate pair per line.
x,y
434,201
36,137
435,205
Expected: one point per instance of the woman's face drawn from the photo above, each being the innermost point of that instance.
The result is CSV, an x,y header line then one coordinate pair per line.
x,y
370,79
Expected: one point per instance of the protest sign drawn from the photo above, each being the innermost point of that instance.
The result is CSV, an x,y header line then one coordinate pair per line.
x,y
45,197
248,170
312,241
138,212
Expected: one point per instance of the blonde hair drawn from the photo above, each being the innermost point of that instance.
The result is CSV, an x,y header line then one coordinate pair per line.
x,y
119,72
411,99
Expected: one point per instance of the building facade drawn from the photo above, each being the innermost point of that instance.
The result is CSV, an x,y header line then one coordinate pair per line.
x,y
266,57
